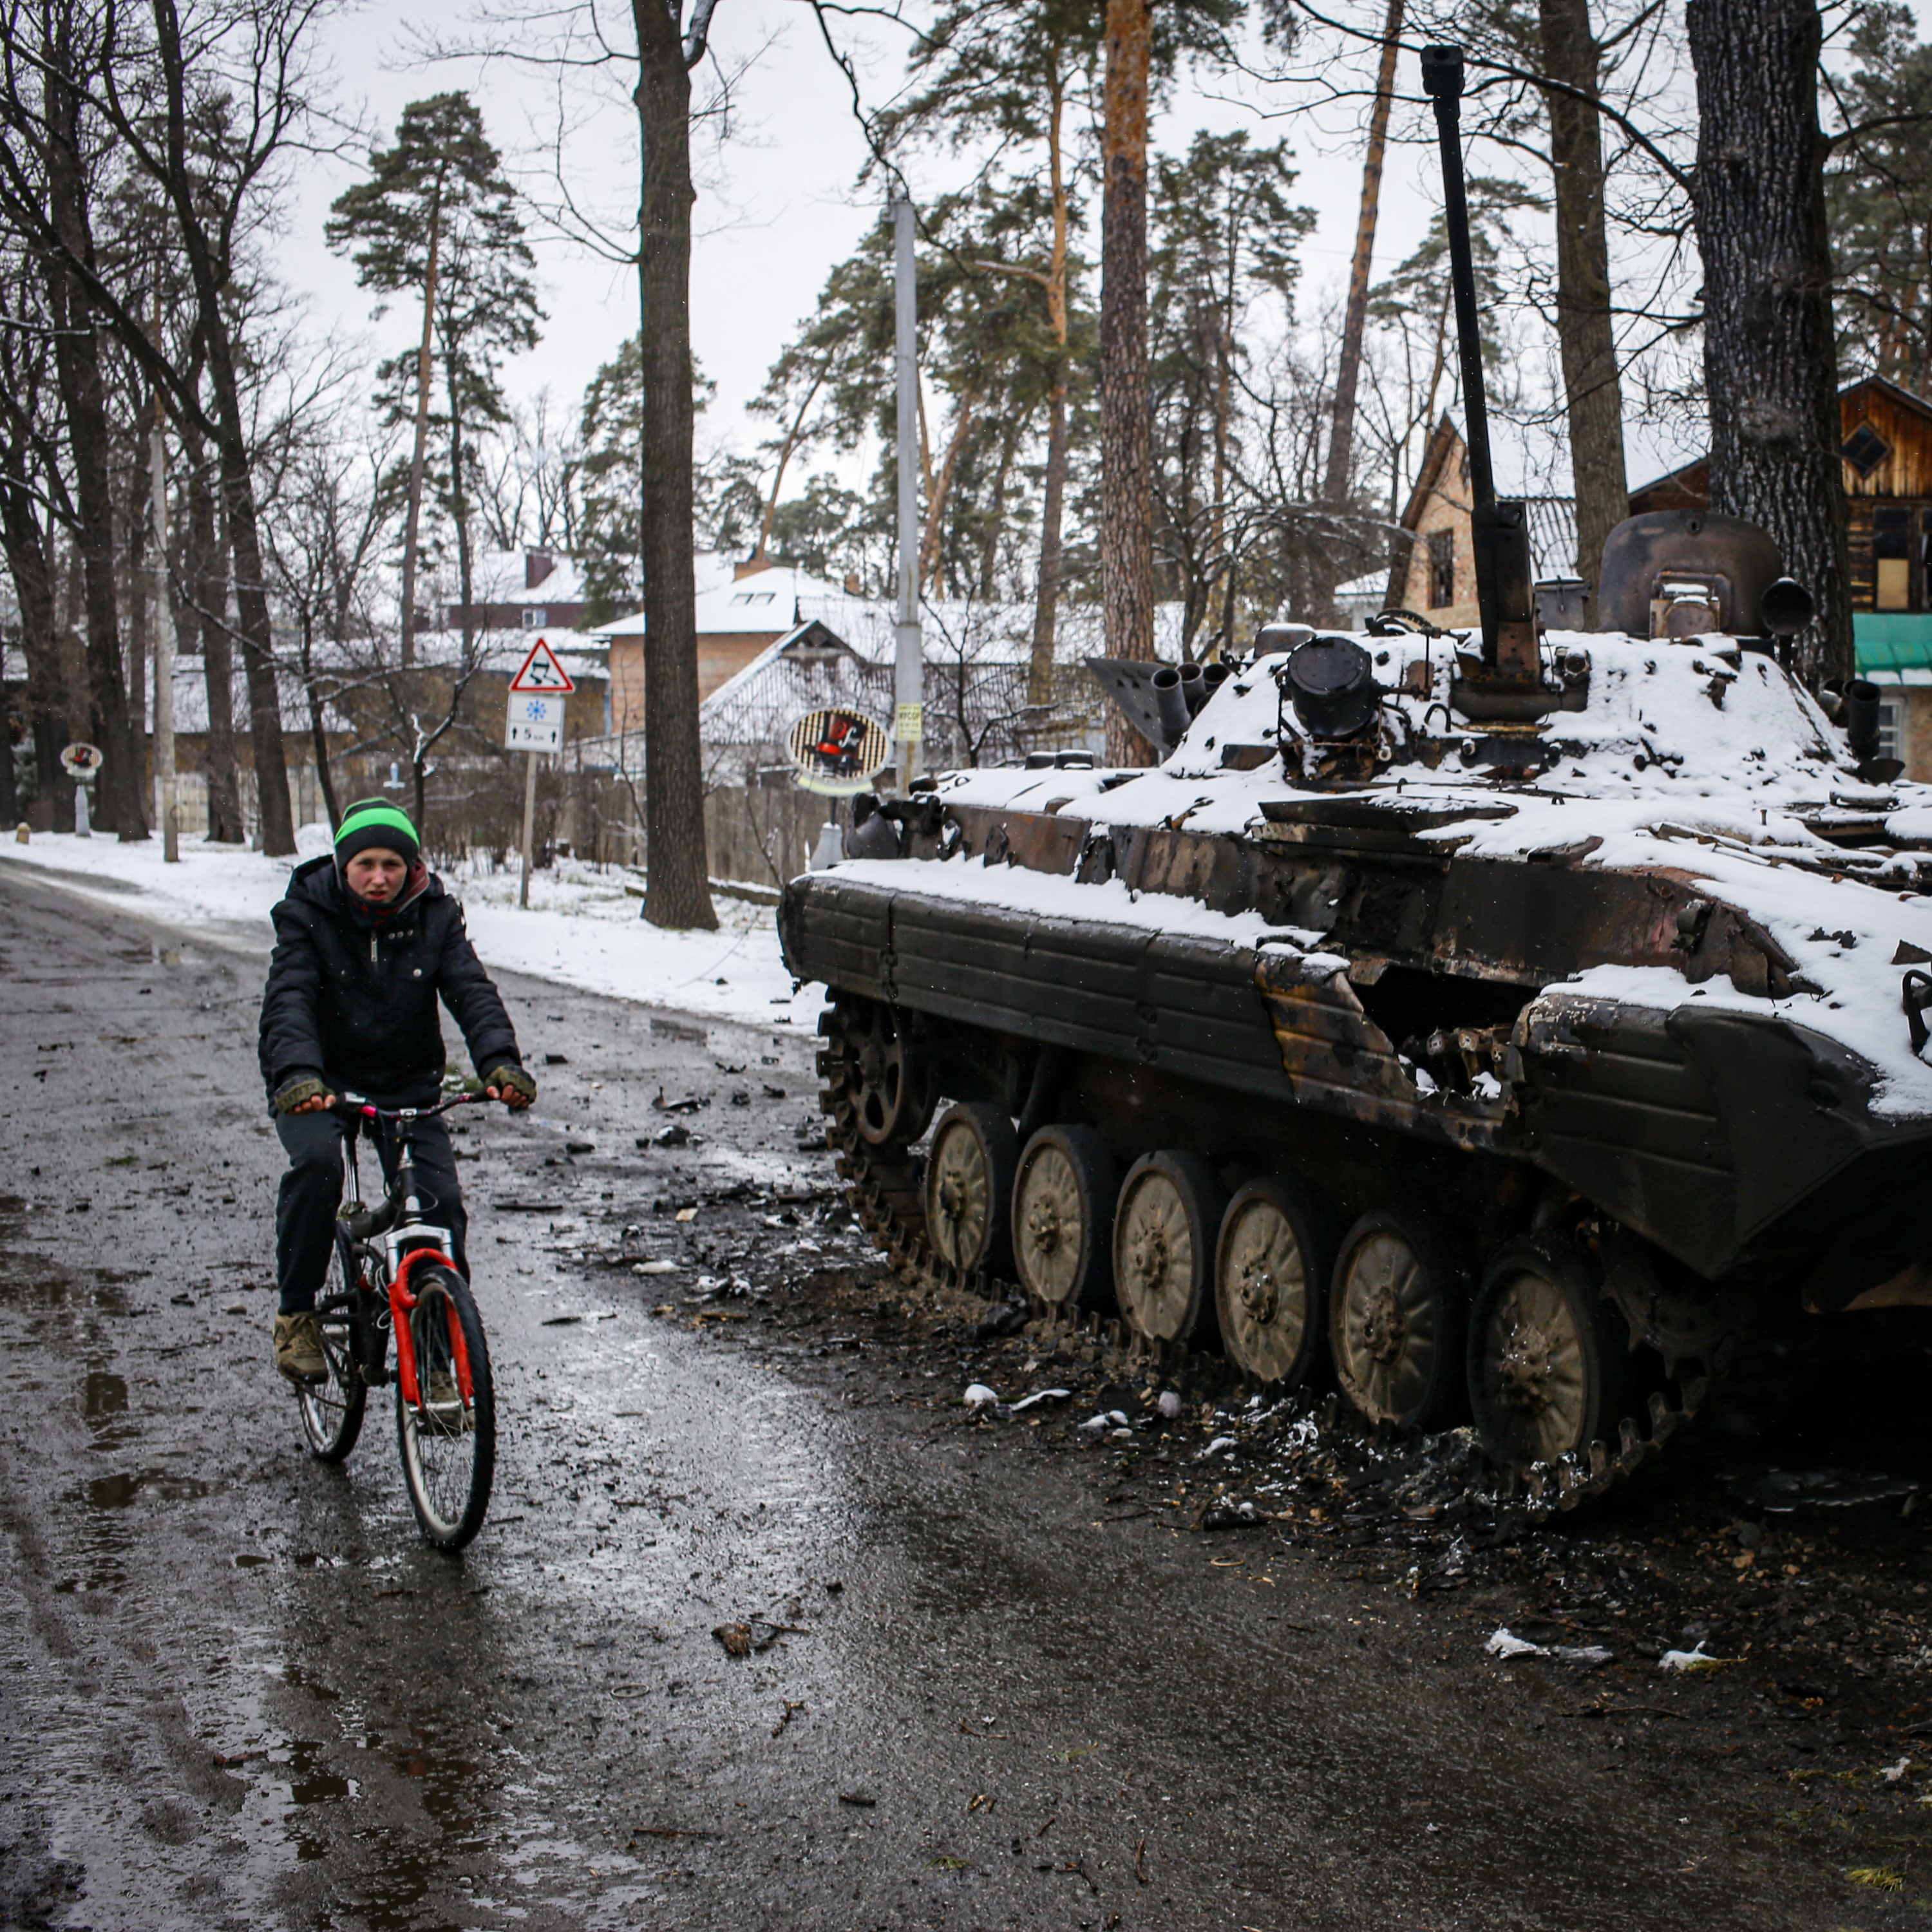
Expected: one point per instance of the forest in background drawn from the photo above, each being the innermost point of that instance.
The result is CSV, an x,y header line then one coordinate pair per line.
x,y
322,499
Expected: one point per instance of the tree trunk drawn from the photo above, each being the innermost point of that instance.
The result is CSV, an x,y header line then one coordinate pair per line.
x,y
251,599
32,571
1127,423
935,512
1354,319
677,893
1039,670
118,793
1585,331
1770,361
251,603
318,733
418,452
203,613
139,620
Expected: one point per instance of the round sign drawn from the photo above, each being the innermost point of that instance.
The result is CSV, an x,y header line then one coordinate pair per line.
x,y
838,752
81,761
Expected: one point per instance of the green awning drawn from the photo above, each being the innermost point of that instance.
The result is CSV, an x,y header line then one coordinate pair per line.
x,y
1892,641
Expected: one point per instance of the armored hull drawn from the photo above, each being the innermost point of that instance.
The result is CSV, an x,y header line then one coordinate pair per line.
x,y
1517,1069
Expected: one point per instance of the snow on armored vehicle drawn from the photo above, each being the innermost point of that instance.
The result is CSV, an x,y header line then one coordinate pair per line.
x,y
1507,1028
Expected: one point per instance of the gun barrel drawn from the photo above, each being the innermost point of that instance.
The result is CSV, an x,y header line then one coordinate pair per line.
x,y
1500,531
1442,82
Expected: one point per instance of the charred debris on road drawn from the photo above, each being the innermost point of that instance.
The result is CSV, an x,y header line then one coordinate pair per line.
x,y
1800,1591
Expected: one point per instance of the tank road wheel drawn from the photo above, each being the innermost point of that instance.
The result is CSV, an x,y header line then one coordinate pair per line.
x,y
889,1083
1271,1279
1395,1321
1549,1356
1164,1231
969,1187
1063,1217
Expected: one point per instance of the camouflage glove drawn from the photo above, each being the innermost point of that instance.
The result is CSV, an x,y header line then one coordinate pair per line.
x,y
511,1078
293,1094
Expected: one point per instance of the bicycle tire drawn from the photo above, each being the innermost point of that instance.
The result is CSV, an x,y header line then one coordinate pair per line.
x,y
332,1409
449,1450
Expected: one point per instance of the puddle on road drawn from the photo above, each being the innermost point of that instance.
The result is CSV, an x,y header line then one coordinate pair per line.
x,y
108,1492
104,1394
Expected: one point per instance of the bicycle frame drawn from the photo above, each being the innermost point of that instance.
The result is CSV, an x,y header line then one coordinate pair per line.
x,y
406,1241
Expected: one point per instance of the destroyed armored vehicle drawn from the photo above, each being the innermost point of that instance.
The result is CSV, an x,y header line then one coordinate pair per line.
x,y
1507,1026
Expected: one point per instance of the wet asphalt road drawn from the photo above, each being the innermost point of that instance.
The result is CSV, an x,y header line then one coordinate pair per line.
x,y
234,1690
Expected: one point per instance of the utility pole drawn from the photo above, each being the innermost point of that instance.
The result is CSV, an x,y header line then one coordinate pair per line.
x,y
909,661
164,637
529,827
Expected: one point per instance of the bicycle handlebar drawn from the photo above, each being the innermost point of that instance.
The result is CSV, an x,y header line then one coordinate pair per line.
x,y
353,1107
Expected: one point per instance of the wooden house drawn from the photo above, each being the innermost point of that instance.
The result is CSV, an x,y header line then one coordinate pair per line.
x,y
1887,449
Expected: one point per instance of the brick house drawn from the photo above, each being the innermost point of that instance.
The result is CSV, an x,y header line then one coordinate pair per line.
x,y
1434,571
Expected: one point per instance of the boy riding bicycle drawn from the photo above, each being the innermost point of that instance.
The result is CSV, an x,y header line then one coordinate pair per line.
x,y
366,942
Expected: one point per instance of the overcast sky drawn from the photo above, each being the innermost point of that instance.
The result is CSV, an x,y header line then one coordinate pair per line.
x,y
778,205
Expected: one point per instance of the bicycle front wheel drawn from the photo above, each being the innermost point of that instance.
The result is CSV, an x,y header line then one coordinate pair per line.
x,y
448,1436
332,1408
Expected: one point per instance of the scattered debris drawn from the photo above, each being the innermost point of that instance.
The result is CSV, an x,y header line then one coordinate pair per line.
x,y
579,1146
672,1136
1506,1644
1784,1491
1038,1397
1880,1878
864,1800
654,1267
791,1711
689,1104
1697,1658
1169,1404
759,1635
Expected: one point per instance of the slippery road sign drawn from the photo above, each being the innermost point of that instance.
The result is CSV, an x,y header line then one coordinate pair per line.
x,y
541,671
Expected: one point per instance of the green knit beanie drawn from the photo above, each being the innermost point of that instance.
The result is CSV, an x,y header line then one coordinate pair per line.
x,y
371,822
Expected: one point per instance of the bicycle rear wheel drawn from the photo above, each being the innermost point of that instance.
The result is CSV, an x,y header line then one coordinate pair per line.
x,y
332,1408
448,1440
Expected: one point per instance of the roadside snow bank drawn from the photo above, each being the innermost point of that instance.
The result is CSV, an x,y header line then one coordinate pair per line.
x,y
582,928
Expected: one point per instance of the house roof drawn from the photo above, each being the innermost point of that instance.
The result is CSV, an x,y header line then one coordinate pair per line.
x,y
727,606
1553,519
497,576
1903,398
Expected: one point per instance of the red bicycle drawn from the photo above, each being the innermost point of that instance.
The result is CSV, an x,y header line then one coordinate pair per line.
x,y
393,1271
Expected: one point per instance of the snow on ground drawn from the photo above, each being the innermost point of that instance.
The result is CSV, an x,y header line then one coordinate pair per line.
x,y
582,928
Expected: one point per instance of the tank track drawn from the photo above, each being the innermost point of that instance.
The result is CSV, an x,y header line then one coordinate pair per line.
x,y
884,1187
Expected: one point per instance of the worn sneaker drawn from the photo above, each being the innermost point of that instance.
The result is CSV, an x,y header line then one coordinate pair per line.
x,y
298,1347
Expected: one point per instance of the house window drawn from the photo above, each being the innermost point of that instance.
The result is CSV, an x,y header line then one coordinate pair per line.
x,y
1891,727
1865,449
754,596
535,619
1891,557
1441,569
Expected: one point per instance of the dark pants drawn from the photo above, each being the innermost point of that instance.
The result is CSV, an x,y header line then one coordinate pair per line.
x,y
312,1189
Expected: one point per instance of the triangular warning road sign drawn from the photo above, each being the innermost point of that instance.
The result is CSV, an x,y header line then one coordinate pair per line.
x,y
541,671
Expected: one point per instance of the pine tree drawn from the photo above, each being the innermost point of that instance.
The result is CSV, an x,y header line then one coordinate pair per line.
x,y
437,216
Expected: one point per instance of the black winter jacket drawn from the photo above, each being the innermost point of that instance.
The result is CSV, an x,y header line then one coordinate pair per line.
x,y
352,1000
